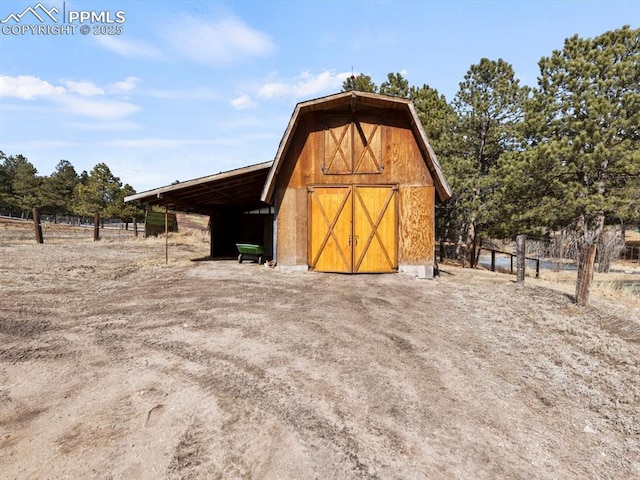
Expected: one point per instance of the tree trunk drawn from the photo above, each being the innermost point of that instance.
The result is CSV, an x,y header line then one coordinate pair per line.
x,y
37,226
470,243
96,227
459,245
586,261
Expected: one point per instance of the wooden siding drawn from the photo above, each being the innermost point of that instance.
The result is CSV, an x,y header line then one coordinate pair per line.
x,y
404,166
417,226
292,226
403,161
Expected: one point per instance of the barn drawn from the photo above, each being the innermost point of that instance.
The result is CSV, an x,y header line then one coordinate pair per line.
x,y
352,189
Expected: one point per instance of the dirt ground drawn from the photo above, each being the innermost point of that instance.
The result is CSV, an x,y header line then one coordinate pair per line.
x,y
115,365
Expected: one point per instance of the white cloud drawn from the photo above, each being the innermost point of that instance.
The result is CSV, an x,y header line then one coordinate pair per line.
x,y
201,93
86,89
226,40
127,85
128,48
27,87
305,85
72,99
242,102
105,125
99,109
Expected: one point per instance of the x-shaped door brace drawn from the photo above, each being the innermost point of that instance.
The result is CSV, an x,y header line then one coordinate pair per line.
x,y
374,228
367,146
346,160
330,231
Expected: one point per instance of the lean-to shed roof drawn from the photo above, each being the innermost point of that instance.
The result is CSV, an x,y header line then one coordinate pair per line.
x,y
239,188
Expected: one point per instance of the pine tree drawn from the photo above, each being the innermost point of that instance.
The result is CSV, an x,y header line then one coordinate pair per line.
x,y
439,119
361,83
436,115
23,184
57,189
395,85
489,106
584,130
99,192
5,186
131,210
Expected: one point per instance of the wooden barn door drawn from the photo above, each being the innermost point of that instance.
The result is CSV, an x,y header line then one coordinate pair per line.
x,y
353,229
330,211
375,229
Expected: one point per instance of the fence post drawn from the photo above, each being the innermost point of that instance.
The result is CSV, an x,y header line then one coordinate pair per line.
x,y
493,260
37,226
166,234
521,246
135,227
96,227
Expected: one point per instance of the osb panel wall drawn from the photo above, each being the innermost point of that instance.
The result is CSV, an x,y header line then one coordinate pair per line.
x,y
416,234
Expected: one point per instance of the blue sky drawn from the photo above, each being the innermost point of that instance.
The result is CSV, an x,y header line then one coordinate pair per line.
x,y
186,89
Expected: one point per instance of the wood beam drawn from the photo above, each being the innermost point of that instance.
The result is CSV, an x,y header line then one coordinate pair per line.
x,y
183,203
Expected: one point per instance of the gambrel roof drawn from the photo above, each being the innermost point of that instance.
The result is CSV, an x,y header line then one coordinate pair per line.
x,y
358,100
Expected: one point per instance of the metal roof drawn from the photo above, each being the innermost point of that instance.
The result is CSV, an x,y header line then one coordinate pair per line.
x,y
239,188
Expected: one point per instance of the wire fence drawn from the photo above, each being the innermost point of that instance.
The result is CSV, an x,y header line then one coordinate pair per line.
x,y
557,252
631,254
76,221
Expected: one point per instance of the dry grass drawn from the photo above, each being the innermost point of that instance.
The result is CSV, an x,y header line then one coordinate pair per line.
x,y
115,365
621,284
21,232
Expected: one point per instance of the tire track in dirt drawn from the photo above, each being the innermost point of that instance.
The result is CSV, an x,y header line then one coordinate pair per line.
x,y
572,360
190,453
265,374
242,388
